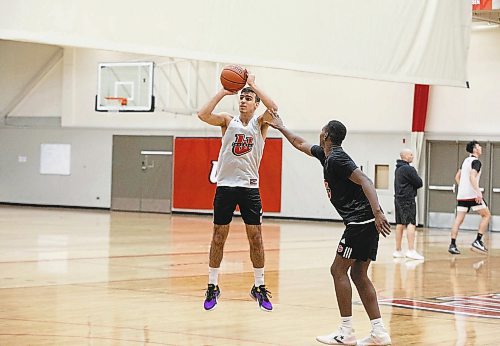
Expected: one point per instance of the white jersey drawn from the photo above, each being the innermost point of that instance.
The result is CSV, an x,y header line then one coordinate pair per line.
x,y
240,154
465,189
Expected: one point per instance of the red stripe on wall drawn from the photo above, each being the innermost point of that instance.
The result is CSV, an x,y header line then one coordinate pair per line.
x,y
482,5
420,100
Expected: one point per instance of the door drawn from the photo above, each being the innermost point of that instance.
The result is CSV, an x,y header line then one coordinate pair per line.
x,y
142,173
495,187
444,160
442,167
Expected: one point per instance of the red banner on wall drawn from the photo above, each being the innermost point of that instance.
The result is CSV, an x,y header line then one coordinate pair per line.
x,y
482,5
194,181
420,102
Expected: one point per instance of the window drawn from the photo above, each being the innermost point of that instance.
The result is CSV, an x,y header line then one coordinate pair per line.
x,y
382,177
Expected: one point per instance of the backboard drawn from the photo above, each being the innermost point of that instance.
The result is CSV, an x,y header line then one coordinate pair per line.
x,y
125,87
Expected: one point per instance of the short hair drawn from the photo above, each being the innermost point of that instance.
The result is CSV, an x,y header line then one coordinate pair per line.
x,y
336,131
470,146
250,90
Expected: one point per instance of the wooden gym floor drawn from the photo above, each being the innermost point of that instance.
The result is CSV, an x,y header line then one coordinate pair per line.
x,y
85,277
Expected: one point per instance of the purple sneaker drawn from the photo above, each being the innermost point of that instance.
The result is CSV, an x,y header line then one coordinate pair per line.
x,y
211,296
262,295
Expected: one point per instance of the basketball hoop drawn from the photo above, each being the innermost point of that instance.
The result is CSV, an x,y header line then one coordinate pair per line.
x,y
123,100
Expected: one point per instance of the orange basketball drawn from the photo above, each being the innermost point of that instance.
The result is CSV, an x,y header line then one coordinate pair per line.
x,y
233,77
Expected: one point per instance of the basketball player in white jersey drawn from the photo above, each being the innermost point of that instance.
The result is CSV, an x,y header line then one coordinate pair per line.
x,y
243,139
469,197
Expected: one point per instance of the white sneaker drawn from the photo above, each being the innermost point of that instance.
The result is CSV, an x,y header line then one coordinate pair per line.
x,y
398,254
376,339
342,336
478,246
412,254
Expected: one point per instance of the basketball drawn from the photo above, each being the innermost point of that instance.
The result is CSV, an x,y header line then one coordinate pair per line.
x,y
233,77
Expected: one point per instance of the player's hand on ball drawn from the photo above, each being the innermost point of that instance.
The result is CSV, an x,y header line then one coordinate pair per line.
x,y
228,92
250,79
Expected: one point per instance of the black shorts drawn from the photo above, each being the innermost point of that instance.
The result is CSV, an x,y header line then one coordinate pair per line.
x,y
248,199
468,204
406,211
359,242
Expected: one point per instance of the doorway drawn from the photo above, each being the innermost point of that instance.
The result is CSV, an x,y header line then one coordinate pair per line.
x,y
142,173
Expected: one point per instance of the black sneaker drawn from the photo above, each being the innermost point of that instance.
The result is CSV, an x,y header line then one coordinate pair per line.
x,y
262,295
211,297
453,250
478,246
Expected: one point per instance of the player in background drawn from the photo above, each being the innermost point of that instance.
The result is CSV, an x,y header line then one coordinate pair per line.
x,y
469,197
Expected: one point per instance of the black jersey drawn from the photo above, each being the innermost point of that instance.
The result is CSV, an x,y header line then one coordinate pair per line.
x,y
346,196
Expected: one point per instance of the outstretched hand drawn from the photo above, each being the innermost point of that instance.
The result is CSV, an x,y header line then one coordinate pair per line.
x,y
382,225
275,121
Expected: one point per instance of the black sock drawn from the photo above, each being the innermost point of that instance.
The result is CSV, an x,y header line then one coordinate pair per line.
x,y
479,236
453,241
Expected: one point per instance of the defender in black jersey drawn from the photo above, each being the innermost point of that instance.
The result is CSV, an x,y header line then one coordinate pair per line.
x,y
354,197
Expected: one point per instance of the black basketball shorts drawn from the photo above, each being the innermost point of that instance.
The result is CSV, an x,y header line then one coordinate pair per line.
x,y
359,241
227,198
468,204
406,211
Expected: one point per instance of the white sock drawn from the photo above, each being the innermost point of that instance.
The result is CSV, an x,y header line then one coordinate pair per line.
x,y
258,274
378,325
346,322
213,276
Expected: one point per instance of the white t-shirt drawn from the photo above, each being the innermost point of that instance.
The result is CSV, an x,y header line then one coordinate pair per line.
x,y
240,154
465,189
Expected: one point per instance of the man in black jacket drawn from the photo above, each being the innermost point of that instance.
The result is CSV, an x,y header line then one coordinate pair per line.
x,y
406,183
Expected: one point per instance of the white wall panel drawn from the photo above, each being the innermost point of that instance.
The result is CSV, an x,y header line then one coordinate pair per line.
x,y
474,111
416,41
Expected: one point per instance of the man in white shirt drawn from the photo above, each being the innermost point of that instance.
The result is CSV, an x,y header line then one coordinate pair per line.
x,y
469,197
243,138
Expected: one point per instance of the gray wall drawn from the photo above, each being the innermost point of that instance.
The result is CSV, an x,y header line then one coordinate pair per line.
x,y
89,184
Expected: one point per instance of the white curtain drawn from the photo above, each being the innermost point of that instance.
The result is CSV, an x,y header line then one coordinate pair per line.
x,y
417,146
414,41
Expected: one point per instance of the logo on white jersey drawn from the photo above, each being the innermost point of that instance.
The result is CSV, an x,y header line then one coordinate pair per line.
x,y
242,144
